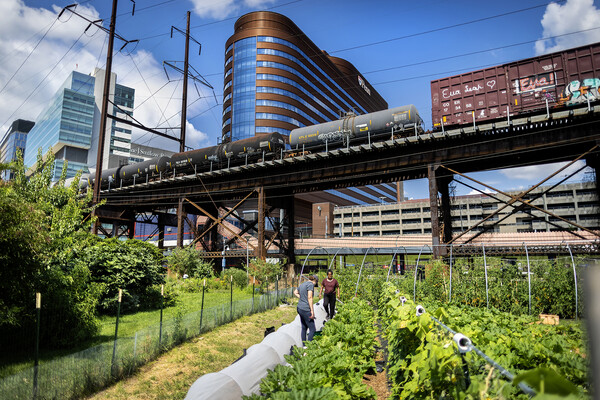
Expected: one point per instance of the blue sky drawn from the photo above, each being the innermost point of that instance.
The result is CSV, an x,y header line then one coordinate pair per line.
x,y
399,47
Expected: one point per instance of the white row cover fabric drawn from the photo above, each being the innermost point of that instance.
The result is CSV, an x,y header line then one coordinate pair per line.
x,y
243,376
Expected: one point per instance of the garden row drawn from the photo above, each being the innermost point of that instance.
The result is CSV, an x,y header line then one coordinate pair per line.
x,y
333,364
429,358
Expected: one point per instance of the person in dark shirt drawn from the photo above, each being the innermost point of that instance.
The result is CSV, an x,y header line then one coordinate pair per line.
x,y
305,307
330,285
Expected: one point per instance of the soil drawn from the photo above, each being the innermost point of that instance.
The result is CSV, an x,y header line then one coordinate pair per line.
x,y
379,383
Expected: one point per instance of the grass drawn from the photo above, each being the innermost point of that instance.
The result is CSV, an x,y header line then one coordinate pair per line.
x,y
171,375
16,360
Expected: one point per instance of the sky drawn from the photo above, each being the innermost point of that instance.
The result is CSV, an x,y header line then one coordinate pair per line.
x,y
398,46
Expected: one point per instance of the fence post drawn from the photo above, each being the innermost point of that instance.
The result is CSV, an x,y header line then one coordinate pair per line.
x,y
528,276
38,306
450,291
162,296
253,283
202,306
231,298
112,363
277,290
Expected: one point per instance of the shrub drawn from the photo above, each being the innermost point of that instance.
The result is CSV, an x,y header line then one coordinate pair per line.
x,y
240,277
187,260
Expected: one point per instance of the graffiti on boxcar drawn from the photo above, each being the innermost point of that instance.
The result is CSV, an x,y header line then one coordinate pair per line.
x,y
580,91
535,83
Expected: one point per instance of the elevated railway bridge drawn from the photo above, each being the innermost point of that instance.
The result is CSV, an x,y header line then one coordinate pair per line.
x,y
567,136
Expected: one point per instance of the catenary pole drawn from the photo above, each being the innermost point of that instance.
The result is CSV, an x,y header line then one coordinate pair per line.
x,y
104,111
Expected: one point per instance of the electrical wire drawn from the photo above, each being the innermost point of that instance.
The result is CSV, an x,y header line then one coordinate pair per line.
x,y
28,55
43,80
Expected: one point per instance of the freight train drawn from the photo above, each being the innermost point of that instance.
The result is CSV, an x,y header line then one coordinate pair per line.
x,y
225,155
353,129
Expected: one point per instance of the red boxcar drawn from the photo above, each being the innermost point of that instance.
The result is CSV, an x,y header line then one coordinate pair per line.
x,y
561,79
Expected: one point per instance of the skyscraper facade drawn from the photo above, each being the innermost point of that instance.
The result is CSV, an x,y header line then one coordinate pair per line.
x,y
14,141
70,125
277,79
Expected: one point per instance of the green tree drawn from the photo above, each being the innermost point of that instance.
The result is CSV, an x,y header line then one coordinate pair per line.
x,y
187,260
42,224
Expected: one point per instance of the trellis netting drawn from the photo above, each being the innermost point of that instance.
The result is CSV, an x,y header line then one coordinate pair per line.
x,y
89,370
243,377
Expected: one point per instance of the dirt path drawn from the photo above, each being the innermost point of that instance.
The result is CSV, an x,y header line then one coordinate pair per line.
x,y
171,375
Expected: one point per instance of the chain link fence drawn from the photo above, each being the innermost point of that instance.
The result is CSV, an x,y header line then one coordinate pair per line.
x,y
89,370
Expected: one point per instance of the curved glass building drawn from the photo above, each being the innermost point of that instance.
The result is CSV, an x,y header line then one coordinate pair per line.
x,y
276,79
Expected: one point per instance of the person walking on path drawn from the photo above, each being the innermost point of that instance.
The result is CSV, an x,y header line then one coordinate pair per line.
x,y
330,285
305,307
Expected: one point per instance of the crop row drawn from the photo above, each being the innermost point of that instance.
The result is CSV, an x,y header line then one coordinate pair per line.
x,y
333,364
425,361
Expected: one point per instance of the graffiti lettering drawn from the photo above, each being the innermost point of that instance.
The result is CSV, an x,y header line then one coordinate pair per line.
x,y
491,83
535,82
580,92
473,88
334,136
447,93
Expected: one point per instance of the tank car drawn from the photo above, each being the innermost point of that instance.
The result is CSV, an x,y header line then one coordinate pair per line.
x,y
143,171
251,149
357,128
194,160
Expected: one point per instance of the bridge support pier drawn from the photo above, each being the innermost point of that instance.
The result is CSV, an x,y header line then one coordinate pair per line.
x,y
441,220
180,225
261,250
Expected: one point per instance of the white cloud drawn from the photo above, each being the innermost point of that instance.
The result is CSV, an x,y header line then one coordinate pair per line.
x,y
536,173
47,65
220,9
572,16
484,190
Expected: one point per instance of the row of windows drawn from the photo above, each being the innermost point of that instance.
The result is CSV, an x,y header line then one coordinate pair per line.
x,y
294,47
279,104
278,117
278,78
272,64
270,129
287,93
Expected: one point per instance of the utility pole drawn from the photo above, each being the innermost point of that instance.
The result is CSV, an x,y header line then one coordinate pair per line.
x,y
186,74
104,111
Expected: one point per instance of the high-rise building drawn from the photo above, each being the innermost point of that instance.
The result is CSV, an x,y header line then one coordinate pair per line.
x,y
14,141
277,79
70,125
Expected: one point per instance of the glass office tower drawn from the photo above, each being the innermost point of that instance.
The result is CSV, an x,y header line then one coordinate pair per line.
x,y
276,79
69,126
14,141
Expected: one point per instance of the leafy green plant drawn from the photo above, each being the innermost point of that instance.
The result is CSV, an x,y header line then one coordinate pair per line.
x,y
240,279
333,364
424,361
187,260
263,270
